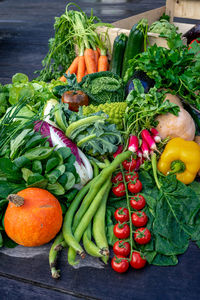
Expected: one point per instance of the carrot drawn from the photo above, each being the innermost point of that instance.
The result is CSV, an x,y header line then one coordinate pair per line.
x,y
81,68
96,54
90,60
72,69
99,51
102,63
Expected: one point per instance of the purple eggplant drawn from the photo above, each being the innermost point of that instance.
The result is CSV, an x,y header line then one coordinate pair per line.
x,y
193,33
144,79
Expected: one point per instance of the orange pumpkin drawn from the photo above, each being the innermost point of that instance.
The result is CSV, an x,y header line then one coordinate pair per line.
x,y
33,218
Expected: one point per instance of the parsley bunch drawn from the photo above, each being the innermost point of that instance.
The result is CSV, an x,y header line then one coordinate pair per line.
x,y
143,108
176,68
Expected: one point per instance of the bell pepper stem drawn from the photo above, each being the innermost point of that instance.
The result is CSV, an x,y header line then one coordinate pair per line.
x,y
177,166
154,167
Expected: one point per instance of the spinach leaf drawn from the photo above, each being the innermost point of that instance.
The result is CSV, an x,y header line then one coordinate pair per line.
x,y
56,189
37,166
9,171
7,188
51,164
173,213
39,153
37,180
55,174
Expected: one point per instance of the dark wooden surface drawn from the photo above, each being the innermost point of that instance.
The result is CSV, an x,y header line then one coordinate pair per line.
x,y
25,27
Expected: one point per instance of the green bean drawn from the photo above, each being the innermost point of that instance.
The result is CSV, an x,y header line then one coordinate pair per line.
x,y
66,229
89,246
86,219
96,168
57,245
102,177
99,228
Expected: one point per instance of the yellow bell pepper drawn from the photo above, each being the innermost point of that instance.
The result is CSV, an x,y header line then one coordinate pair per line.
x,y
182,158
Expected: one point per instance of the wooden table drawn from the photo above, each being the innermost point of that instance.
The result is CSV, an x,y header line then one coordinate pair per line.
x,y
25,27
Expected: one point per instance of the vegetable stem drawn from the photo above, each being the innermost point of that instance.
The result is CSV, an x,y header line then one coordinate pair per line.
x,y
177,166
129,211
58,245
154,167
86,139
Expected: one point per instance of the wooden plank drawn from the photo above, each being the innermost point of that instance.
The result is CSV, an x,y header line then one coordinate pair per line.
x,y
189,9
89,282
151,15
14,289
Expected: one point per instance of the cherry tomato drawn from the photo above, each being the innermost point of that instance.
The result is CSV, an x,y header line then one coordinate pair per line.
x,y
135,186
137,202
122,248
119,264
137,262
121,214
131,176
142,235
129,165
139,218
117,178
121,231
119,190
195,40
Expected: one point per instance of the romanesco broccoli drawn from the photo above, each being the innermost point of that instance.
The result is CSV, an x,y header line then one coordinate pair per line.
x,y
114,110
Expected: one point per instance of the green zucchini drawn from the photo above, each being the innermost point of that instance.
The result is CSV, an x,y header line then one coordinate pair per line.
x,y
135,43
118,54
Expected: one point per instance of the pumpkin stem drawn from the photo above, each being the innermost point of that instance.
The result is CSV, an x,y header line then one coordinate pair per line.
x,y
16,199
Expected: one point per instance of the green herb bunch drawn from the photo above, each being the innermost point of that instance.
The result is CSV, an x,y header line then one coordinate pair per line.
x,y
176,68
143,108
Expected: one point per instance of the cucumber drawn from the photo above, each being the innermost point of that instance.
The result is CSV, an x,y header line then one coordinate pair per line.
x,y
118,53
134,45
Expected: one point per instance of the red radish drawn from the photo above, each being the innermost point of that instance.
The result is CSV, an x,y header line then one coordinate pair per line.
x,y
148,139
119,150
139,153
145,149
133,143
138,163
155,135
151,152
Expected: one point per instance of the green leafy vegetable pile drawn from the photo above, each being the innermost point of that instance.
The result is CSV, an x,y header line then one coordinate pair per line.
x,y
173,213
142,108
30,162
101,87
163,27
37,92
92,133
176,68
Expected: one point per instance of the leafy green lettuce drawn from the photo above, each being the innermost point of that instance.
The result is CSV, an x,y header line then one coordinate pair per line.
x,y
174,214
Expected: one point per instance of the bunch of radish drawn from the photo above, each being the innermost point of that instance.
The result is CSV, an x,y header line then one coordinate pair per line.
x,y
147,145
